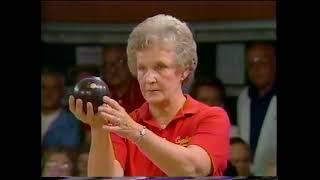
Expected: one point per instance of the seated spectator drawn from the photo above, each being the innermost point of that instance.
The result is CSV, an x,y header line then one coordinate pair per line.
x,y
58,162
231,171
241,156
79,72
82,161
209,91
124,87
212,92
58,126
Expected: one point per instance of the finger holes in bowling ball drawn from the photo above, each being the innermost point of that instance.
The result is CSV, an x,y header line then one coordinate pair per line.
x,y
91,89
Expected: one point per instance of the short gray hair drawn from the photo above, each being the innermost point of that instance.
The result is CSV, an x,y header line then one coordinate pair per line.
x,y
164,28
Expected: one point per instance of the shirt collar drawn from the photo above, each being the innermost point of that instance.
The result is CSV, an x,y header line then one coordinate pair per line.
x,y
189,108
253,92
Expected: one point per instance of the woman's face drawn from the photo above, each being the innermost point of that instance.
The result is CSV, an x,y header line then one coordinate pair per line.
x,y
57,165
158,74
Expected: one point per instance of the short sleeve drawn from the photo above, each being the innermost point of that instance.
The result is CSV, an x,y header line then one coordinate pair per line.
x,y
212,135
120,148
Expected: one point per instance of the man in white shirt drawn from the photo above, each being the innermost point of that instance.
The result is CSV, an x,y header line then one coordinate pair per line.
x,y
257,106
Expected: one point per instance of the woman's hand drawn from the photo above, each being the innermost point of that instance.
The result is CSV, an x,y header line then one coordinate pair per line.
x,y
118,120
94,120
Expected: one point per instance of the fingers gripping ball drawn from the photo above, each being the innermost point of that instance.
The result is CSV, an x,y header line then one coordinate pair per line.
x,y
91,89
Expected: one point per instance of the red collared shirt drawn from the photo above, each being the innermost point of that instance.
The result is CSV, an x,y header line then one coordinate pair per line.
x,y
196,123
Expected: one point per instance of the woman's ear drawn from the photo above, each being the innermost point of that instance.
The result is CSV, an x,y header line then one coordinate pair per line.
x,y
184,75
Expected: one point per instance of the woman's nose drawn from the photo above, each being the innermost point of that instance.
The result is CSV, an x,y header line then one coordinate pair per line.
x,y
150,77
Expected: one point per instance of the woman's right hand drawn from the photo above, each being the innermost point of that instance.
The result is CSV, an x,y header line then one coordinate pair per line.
x,y
94,120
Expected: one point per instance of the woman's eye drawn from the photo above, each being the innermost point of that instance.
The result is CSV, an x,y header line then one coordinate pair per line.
x,y
141,68
160,67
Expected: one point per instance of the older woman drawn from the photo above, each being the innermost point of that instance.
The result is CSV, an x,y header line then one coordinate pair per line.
x,y
171,134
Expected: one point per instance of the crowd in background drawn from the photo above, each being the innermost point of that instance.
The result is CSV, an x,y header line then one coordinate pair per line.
x,y
253,136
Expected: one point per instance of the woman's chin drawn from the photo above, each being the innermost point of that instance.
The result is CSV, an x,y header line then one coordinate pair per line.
x,y
153,99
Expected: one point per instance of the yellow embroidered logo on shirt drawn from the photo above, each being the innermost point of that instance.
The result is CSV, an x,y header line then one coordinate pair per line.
x,y
183,141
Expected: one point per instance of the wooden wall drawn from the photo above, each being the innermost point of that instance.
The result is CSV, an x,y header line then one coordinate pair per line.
x,y
135,11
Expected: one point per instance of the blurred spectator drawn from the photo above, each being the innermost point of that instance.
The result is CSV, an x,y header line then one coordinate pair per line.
x,y
209,91
231,170
240,156
212,92
58,126
123,86
58,162
75,74
82,161
83,71
257,105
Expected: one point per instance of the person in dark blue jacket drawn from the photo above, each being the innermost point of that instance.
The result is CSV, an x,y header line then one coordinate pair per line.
x,y
58,126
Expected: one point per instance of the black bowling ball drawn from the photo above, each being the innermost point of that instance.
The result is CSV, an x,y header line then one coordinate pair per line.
x,y
91,89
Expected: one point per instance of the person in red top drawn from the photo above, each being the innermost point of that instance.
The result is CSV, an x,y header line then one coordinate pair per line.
x,y
124,88
171,134
194,124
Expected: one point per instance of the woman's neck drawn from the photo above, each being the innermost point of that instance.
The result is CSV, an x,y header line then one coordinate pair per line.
x,y
165,111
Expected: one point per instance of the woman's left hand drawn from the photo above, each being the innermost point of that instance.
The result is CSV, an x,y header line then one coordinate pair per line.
x,y
118,120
